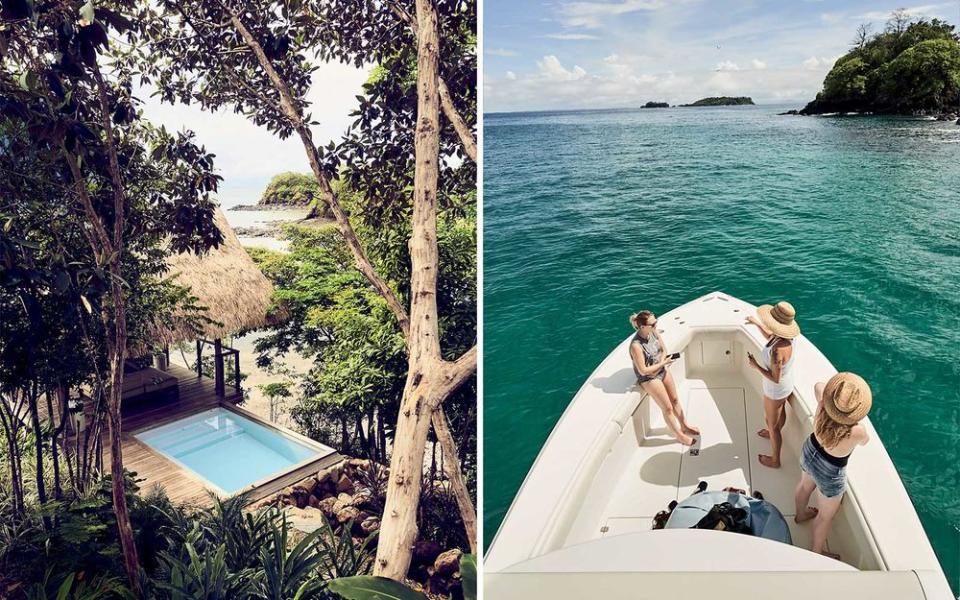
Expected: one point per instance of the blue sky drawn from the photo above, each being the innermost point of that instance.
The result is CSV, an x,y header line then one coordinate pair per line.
x,y
566,54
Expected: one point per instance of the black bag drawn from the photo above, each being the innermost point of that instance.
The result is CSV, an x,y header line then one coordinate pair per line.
x,y
724,517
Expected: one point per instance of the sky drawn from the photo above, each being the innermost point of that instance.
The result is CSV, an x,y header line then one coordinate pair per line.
x,y
571,54
247,156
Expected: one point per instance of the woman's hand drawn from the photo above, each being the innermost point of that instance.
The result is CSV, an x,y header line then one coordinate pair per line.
x,y
752,361
751,320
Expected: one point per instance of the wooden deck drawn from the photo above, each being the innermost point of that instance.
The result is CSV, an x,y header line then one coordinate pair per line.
x,y
182,486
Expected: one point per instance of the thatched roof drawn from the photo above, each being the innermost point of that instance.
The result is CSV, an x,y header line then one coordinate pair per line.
x,y
227,283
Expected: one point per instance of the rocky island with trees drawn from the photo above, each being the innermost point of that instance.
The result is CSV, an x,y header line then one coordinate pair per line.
x,y
722,101
912,67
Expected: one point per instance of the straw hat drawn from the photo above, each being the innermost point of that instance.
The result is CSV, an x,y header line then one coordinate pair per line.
x,y
847,398
780,319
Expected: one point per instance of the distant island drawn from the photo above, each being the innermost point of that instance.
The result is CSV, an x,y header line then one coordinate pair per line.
x,y
656,105
912,68
288,191
723,101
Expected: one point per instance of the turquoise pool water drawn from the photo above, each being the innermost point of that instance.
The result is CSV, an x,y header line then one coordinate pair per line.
x,y
226,449
592,215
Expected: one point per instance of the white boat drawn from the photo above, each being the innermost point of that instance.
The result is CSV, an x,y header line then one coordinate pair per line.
x,y
581,524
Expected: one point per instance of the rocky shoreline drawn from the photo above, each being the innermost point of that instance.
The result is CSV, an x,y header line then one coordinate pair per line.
x,y
268,207
947,116
271,230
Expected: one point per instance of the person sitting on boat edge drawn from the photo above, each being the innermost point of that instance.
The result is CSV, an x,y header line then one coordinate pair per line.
x,y
779,326
842,403
650,362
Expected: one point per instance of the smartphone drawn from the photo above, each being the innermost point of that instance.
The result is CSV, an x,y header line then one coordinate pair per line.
x,y
674,356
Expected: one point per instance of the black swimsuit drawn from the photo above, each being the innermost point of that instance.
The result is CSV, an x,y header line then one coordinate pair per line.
x,y
838,461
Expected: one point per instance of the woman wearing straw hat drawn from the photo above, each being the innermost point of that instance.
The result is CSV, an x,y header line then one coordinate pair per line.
x,y
650,362
778,324
841,404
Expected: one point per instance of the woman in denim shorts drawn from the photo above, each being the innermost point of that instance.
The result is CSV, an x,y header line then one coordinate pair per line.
x,y
841,404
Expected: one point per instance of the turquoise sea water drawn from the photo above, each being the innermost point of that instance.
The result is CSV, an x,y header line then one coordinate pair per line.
x,y
589,216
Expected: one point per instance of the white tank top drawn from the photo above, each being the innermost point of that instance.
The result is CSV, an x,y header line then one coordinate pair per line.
x,y
778,391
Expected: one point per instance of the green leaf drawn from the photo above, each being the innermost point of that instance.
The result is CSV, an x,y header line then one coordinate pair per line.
x,y
64,590
88,12
468,576
365,587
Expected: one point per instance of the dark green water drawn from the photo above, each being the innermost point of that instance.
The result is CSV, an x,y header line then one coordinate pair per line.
x,y
589,216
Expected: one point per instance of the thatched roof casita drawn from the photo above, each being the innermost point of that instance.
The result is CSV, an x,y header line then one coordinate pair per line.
x,y
227,283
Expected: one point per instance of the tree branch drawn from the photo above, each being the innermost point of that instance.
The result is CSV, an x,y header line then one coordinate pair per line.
x,y
289,109
452,467
449,110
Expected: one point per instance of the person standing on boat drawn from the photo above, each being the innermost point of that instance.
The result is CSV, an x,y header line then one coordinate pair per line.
x,y
842,403
650,362
779,326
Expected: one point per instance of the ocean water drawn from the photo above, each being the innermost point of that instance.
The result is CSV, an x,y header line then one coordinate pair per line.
x,y
589,216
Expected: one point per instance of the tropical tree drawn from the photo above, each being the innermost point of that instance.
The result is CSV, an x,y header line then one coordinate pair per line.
x,y
910,67
84,120
257,58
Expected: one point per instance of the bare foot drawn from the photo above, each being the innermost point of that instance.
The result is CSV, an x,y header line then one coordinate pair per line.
x,y
686,440
768,461
808,513
764,433
691,429
832,555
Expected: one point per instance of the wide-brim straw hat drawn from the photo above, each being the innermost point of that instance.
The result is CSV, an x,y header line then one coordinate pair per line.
x,y
780,319
847,398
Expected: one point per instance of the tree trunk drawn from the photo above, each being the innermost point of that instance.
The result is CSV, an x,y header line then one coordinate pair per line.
x,y
33,398
344,436
422,392
55,430
452,468
117,350
398,530
382,436
13,449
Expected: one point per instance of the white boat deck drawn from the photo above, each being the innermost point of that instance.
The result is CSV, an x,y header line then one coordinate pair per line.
x,y
610,465
729,414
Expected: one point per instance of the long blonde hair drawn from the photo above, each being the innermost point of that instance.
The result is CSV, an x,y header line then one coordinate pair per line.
x,y
829,432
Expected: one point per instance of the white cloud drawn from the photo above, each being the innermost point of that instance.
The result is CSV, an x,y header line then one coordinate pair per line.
x,y
758,64
626,83
552,70
501,52
511,75
247,156
611,59
913,11
571,36
815,63
590,14
727,65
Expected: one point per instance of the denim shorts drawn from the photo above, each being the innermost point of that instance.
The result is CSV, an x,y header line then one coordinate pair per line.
x,y
831,480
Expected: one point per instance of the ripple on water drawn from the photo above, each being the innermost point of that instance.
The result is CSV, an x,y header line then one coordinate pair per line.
x,y
589,216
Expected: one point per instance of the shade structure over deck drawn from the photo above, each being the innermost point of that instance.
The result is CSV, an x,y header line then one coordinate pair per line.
x,y
227,283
